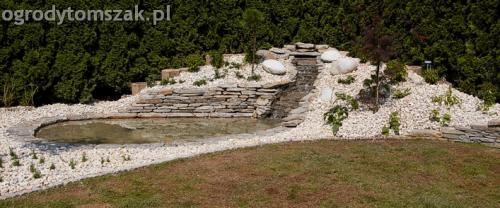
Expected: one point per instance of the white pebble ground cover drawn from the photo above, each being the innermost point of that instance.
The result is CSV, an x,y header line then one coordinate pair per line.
x,y
103,159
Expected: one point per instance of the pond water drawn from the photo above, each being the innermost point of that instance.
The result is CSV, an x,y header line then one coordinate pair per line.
x,y
138,131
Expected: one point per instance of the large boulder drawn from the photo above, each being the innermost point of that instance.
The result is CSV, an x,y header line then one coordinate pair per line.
x,y
274,67
330,56
343,66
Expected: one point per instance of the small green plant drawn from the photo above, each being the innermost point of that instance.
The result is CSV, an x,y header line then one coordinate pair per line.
x,y
218,74
13,155
431,76
385,131
235,66
42,160
217,59
72,164
335,116
32,168
446,119
181,81
37,174
239,75
102,161
435,117
33,155
401,93
168,81
16,163
254,77
107,160
347,81
340,112
193,69
1,179
200,82
1,162
84,157
396,71
126,157
394,123
52,167
448,99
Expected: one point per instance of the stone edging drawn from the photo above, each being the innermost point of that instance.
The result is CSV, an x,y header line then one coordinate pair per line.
x,y
484,134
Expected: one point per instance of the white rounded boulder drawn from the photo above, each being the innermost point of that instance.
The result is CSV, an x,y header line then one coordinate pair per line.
x,y
343,66
274,67
330,56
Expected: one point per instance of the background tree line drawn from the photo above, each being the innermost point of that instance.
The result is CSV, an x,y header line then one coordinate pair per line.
x,y
85,61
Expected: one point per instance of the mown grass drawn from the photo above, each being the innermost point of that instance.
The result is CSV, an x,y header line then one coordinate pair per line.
x,y
414,173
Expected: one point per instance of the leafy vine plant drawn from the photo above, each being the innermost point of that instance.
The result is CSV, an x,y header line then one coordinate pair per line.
x,y
340,111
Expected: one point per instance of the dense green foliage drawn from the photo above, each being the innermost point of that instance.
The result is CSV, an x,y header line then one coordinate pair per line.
x,y
83,61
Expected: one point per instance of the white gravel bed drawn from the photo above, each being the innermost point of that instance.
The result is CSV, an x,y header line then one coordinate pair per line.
x,y
186,79
414,111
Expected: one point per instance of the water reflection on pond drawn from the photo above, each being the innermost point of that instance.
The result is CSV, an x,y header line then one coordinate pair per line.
x,y
137,131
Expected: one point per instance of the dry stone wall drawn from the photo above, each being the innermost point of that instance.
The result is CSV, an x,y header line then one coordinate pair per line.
x,y
229,100
484,134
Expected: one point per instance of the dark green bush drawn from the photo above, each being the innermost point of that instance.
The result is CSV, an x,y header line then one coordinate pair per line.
x,y
431,76
200,82
347,81
217,59
396,71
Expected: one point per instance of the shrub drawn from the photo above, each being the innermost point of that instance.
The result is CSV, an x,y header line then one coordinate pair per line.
x,y
126,157
335,116
217,59
488,93
200,82
431,76
84,157
401,93
435,117
72,164
16,163
32,168
151,80
42,160
446,119
52,167
254,77
239,75
1,162
33,155
368,95
447,99
13,155
102,161
394,123
385,131
168,81
37,174
347,81
396,71
340,112
193,62
218,74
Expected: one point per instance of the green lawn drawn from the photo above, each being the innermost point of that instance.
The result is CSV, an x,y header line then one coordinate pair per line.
x,y
413,173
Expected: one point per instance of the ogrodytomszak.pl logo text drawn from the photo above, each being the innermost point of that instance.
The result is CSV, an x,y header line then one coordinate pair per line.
x,y
20,17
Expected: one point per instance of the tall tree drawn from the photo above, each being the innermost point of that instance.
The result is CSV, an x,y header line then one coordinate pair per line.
x,y
252,19
377,47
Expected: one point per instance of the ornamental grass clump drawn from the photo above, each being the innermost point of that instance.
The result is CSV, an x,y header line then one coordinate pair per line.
x,y
401,93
